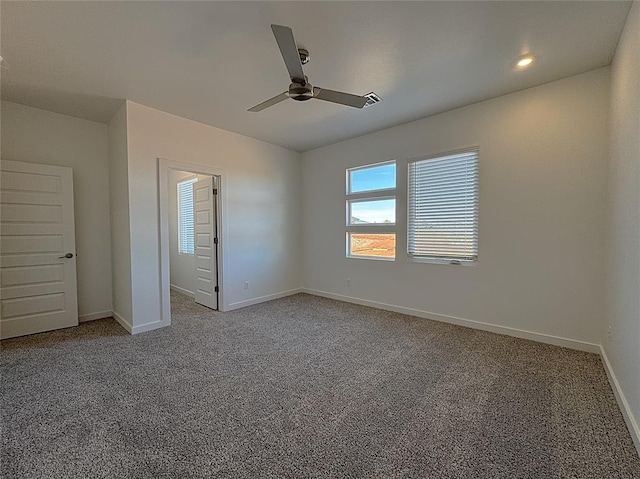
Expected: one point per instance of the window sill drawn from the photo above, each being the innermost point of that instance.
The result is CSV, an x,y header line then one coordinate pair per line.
x,y
413,259
374,258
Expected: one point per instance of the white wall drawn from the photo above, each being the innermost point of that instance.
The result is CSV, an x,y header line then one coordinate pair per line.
x,y
622,345
182,266
39,136
261,194
543,154
120,232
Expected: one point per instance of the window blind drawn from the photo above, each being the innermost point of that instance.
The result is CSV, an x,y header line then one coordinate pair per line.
x,y
443,207
185,216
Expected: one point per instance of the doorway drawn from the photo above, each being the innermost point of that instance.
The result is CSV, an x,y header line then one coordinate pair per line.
x,y
191,239
193,262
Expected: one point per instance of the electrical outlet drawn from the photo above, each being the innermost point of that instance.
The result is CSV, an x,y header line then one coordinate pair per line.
x,y
348,282
609,332
246,285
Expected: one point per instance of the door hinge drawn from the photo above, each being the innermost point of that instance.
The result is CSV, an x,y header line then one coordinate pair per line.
x,y
217,289
215,240
215,191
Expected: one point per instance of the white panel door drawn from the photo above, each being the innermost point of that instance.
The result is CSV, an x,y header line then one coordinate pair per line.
x,y
37,249
205,231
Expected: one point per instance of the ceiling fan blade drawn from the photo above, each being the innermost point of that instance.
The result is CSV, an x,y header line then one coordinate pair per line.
x,y
270,102
289,51
339,97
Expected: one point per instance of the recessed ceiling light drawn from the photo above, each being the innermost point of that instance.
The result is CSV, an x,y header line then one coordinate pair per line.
x,y
525,61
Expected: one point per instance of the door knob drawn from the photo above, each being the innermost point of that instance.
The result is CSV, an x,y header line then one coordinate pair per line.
x,y
68,256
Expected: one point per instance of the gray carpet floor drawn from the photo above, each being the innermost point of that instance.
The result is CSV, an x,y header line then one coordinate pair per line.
x,y
305,387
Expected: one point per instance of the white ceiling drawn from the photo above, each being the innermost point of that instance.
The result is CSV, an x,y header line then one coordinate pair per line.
x,y
210,61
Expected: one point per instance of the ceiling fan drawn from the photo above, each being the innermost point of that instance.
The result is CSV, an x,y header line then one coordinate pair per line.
x,y
300,89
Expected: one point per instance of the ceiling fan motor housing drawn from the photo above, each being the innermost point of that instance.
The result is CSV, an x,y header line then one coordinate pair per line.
x,y
300,91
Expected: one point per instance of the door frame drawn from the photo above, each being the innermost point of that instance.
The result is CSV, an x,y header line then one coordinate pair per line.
x,y
164,165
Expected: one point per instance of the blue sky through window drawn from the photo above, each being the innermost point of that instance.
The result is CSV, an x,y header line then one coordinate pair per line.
x,y
378,211
374,178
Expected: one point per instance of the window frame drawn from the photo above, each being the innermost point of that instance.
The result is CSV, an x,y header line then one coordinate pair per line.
x,y
370,195
366,167
446,260
351,201
350,255
179,207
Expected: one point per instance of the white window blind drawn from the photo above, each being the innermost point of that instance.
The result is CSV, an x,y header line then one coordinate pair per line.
x,y
185,216
443,207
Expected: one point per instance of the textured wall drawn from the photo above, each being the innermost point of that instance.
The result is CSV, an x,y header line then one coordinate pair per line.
x,y
621,338
261,196
39,136
543,155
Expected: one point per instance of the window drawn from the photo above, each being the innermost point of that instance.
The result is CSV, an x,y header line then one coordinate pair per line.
x,y
443,208
371,178
371,211
185,216
365,245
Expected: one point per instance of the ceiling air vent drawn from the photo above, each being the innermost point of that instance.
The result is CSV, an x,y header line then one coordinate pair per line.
x,y
372,99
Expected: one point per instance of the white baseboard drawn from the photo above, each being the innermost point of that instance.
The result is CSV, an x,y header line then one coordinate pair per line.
x,y
469,323
137,329
262,299
143,328
186,292
92,316
632,424
123,322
